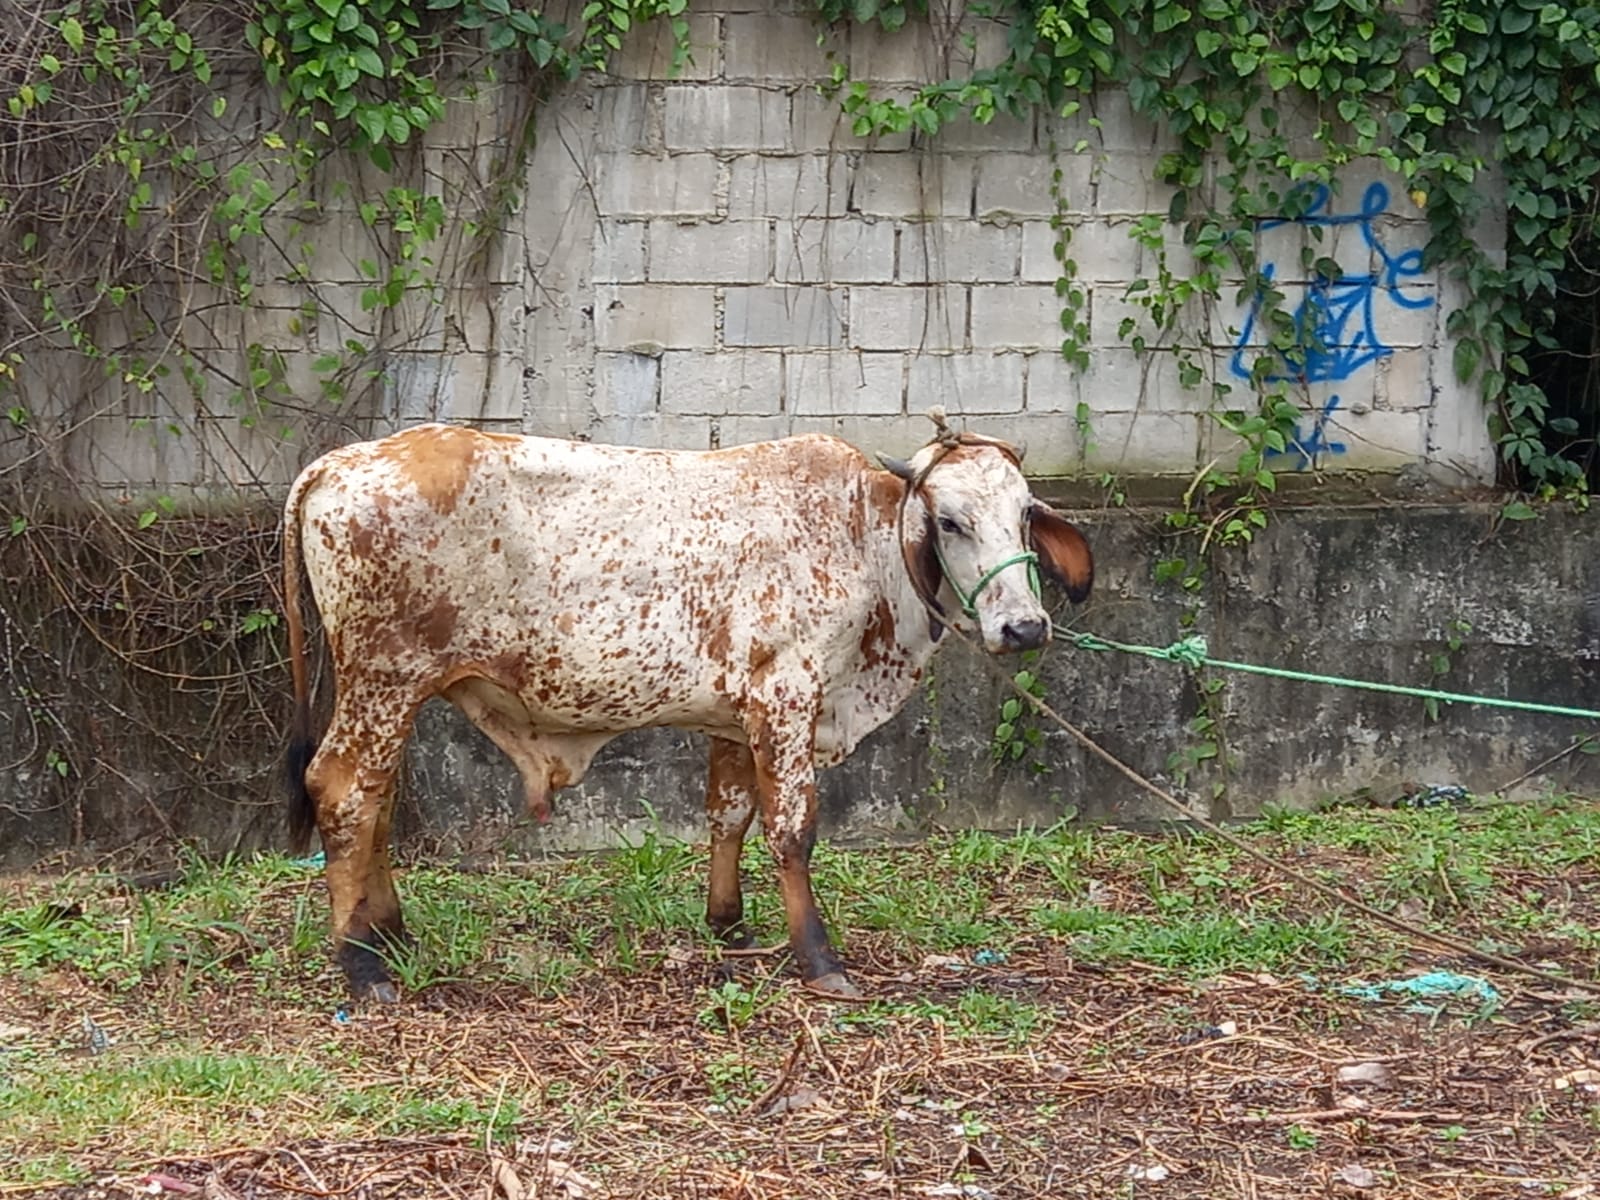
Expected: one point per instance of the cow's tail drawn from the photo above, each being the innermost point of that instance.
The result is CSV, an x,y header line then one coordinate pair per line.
x,y
302,737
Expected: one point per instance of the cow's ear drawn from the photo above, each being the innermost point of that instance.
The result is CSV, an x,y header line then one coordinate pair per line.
x,y
923,560
1063,551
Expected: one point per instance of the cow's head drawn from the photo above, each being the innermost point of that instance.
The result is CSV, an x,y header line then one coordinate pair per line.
x,y
976,536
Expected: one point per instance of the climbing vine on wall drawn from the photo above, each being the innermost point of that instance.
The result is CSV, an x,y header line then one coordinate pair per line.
x,y
1432,96
163,176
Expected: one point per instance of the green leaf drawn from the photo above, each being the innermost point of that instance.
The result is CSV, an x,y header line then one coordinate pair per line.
x,y
1466,358
147,518
72,33
367,61
1514,20
1310,76
1516,510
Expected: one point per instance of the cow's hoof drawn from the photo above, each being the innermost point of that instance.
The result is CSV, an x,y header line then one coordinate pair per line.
x,y
834,986
382,992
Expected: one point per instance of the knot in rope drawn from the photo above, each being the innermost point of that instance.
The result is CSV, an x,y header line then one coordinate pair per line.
x,y
1190,651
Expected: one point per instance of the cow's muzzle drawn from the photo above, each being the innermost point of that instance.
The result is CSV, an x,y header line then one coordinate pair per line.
x,y
1028,634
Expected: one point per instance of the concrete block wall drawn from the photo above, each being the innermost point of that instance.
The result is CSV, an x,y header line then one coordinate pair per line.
x,y
711,258
730,263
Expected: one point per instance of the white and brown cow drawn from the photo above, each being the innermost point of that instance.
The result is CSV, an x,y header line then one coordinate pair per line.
x,y
561,593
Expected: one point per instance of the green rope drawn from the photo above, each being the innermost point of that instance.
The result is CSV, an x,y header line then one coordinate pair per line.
x,y
1191,652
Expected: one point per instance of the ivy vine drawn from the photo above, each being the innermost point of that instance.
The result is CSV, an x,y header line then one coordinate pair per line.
x,y
1433,97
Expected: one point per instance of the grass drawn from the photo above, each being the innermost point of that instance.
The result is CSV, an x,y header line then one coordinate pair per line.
x,y
226,1026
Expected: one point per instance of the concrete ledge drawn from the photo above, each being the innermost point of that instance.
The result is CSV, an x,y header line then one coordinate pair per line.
x,y
1367,592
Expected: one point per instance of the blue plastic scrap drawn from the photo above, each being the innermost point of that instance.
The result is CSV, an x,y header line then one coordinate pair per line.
x,y
1435,983
315,863
988,958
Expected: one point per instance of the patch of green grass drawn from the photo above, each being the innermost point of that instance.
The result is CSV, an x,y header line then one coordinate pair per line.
x,y
976,1013
1179,902
67,1102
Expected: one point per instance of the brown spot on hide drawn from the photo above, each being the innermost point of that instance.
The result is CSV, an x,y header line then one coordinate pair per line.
x,y
760,655
719,640
436,461
494,546
566,622
438,625
877,639
361,539
884,493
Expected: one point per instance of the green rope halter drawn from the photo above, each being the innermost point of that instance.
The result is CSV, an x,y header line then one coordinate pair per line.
x,y
969,600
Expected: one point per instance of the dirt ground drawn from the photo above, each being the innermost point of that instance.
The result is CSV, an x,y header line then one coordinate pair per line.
x,y
1028,1072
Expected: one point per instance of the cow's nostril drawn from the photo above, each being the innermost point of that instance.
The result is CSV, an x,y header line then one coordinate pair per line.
x,y
1024,635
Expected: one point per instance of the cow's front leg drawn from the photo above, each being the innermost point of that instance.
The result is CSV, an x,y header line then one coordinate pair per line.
x,y
730,804
782,745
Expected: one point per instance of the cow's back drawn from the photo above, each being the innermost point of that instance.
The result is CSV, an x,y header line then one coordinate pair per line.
x,y
602,586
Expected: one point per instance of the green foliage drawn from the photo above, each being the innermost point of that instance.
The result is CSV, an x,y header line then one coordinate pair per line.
x,y
1434,98
1018,730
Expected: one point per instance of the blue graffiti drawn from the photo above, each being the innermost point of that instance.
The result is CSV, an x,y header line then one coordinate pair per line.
x,y
1335,325
1307,446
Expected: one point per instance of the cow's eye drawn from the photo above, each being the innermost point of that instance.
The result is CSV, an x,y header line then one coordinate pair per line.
x,y
949,526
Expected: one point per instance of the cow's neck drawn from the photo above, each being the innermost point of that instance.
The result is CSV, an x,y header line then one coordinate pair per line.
x,y
912,621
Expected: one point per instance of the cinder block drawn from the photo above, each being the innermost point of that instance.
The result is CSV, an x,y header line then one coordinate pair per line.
x,y
912,185
1124,380
908,318
981,45
486,320
817,123
1460,447
782,316
618,252
1127,185
1102,252
281,316
847,250
1374,441
1004,132
235,456
636,185
748,382
959,252
1051,441
713,251
901,436
700,116
658,431
1404,380
909,54
811,185
775,49
834,383
1143,443
480,387
742,429
1019,185
1120,131
628,119
648,318
1117,319
647,53
967,382
625,385
1021,317
1052,383
1039,262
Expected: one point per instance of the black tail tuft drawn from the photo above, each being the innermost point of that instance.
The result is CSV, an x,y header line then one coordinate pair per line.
x,y
302,812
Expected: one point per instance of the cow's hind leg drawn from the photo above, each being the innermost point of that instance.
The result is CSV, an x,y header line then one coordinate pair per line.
x,y
351,781
730,803
782,744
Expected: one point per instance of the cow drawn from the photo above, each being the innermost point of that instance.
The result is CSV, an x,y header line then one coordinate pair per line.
x,y
782,598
